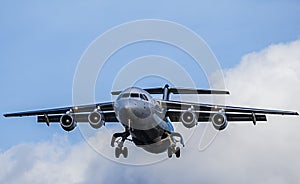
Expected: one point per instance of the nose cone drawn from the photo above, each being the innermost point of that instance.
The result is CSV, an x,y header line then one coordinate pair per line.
x,y
134,113
134,109
141,111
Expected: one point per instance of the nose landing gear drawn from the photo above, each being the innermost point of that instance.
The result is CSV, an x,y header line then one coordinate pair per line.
x,y
173,149
121,150
119,139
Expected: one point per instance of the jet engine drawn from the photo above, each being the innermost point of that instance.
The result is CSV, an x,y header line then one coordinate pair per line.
x,y
96,119
189,118
67,122
219,121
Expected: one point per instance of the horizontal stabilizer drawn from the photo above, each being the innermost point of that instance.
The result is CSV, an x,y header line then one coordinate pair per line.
x,y
160,90
186,91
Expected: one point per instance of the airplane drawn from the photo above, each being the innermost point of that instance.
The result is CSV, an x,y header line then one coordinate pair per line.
x,y
148,121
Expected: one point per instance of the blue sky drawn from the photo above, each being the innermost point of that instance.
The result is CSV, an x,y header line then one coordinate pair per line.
x,y
41,43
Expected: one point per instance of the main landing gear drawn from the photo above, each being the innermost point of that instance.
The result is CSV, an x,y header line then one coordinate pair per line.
x,y
173,149
119,139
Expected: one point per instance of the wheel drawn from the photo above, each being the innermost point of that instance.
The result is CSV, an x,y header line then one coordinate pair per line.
x,y
125,152
170,152
177,152
117,152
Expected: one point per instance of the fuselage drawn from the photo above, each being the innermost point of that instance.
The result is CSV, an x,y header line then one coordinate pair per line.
x,y
149,127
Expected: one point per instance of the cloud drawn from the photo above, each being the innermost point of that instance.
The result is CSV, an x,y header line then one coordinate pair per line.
x,y
266,153
267,77
40,162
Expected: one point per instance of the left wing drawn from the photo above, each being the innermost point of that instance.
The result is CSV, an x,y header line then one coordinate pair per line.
x,y
206,116
177,105
191,113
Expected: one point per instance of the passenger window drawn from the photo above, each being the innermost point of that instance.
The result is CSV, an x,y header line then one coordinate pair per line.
x,y
134,95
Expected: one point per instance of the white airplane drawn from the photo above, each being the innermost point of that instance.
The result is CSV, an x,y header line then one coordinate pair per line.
x,y
148,121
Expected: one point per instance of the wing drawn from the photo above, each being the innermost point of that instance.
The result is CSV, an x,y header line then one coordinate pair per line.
x,y
174,108
82,117
206,116
81,112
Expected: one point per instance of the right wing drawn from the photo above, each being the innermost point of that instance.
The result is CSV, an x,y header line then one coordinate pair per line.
x,y
82,117
80,113
108,106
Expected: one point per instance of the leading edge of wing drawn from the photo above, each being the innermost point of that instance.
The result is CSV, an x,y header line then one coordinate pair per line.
x,y
107,106
210,107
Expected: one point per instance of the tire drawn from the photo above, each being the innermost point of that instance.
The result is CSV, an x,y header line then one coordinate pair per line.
x,y
170,152
177,152
117,152
125,152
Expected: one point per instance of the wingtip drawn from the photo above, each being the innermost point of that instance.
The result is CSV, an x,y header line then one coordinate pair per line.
x,y
8,115
293,113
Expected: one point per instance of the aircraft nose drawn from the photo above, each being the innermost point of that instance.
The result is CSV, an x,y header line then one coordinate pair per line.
x,y
141,111
133,109
135,114
137,109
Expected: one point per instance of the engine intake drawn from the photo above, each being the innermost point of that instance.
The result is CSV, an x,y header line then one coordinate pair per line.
x,y
96,119
189,119
219,121
67,122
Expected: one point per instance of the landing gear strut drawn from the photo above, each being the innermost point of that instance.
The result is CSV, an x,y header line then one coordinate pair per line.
x,y
119,139
173,149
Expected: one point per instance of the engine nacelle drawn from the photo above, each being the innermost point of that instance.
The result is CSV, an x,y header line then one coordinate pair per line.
x,y
96,119
219,121
67,122
189,118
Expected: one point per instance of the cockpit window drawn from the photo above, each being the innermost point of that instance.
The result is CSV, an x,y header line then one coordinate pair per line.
x,y
134,95
143,97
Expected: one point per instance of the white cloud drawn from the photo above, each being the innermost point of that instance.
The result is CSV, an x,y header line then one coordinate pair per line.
x,y
270,75
267,153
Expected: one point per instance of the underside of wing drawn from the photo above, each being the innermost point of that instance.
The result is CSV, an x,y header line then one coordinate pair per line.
x,y
177,105
95,114
68,117
82,117
207,117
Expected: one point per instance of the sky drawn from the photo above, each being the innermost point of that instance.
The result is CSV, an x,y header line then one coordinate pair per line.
x,y
256,44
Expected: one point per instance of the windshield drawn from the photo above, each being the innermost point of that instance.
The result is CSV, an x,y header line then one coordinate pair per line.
x,y
134,95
